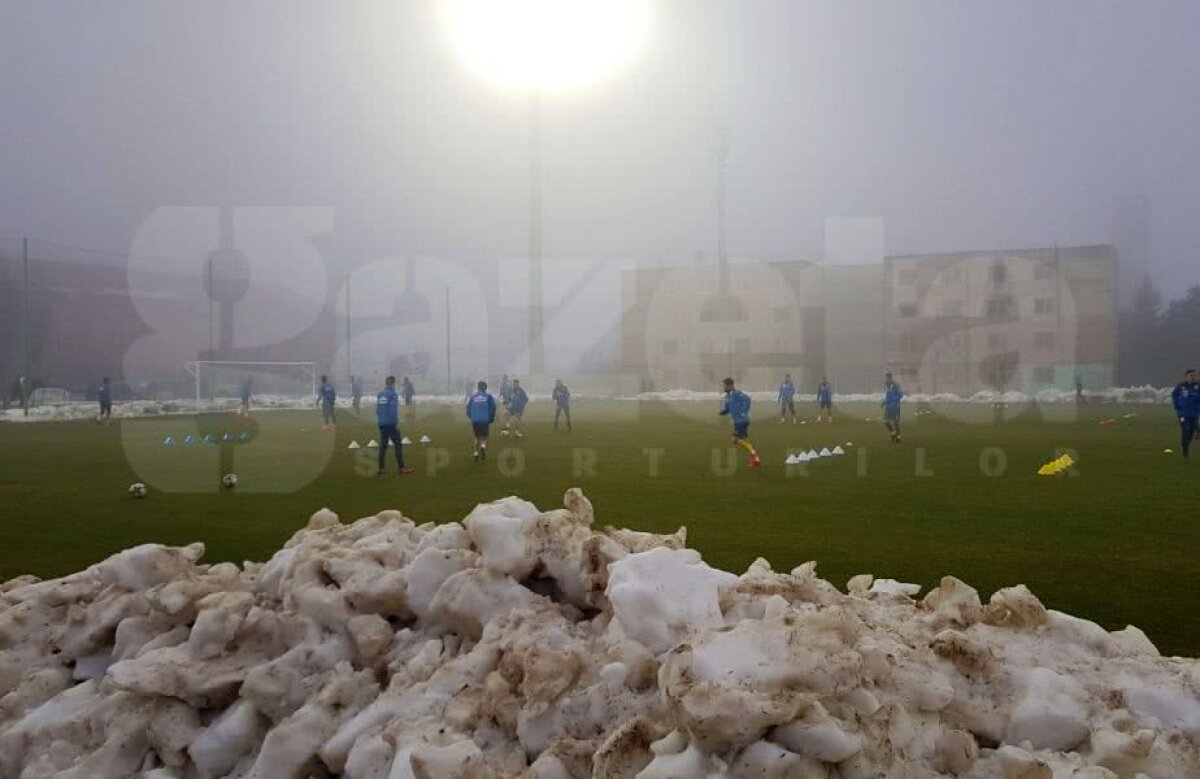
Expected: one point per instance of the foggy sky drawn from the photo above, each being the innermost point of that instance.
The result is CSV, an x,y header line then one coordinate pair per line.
x,y
964,125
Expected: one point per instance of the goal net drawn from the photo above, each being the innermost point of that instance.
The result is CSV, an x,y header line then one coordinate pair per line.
x,y
221,385
49,396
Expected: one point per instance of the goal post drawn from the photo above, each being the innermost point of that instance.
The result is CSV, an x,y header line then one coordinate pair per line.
x,y
220,382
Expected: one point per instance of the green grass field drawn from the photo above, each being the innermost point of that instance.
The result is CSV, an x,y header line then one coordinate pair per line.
x,y
1117,543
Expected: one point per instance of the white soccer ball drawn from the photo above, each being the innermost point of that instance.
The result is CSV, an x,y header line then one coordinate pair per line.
x,y
229,480
137,490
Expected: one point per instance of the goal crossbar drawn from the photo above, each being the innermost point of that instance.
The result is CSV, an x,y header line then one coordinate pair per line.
x,y
194,368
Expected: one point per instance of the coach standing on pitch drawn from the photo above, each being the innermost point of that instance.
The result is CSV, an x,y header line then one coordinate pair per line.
x,y
1186,399
387,411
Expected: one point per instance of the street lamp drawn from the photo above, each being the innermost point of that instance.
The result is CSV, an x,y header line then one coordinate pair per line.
x,y
543,47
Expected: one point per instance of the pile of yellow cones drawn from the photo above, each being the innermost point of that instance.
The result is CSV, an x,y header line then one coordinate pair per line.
x,y
1057,467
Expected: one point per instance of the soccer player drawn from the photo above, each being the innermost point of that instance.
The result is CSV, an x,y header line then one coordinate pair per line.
x,y
892,395
387,412
825,400
562,402
105,397
737,408
326,395
1186,399
481,410
787,398
246,397
410,394
355,392
505,390
517,401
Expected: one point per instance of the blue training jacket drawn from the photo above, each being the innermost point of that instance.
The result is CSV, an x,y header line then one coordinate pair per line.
x,y
481,408
327,393
892,395
387,407
518,400
787,391
106,393
737,406
1186,399
825,394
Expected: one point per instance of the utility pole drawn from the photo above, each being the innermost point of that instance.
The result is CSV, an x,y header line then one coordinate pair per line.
x,y
26,383
349,364
537,354
449,386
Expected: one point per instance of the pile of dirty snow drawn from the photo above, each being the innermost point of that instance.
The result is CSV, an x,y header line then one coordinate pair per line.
x,y
527,643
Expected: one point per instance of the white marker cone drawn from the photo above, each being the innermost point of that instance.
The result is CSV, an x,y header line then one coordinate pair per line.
x,y
406,441
354,445
812,454
837,450
426,439
825,452
373,444
791,460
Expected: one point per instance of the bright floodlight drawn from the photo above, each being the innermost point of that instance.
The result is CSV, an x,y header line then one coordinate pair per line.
x,y
546,44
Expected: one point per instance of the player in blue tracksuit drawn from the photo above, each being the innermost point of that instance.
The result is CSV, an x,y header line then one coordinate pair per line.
x,y
246,397
505,390
326,395
825,400
387,412
892,395
1186,399
105,400
787,398
481,410
409,393
737,408
562,402
517,401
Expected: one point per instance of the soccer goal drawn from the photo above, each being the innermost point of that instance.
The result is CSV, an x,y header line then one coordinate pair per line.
x,y
49,396
221,384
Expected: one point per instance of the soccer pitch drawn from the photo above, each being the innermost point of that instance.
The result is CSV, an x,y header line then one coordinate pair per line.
x,y
1115,542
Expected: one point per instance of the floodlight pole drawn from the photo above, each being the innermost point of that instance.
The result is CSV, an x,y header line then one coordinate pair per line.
x,y
26,382
537,355
449,386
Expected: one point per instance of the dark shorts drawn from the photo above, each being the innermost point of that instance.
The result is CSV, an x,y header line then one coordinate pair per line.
x,y
741,429
826,404
106,407
480,429
891,414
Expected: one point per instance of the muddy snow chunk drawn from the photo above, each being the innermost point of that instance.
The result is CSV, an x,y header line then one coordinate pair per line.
x,y
662,595
498,529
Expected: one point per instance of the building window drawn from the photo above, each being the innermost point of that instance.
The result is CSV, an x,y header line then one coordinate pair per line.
x,y
952,308
954,274
1044,271
670,346
1043,306
999,308
1043,374
957,340
1043,340
906,310
671,379
782,313
997,342
998,273
742,346
907,276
